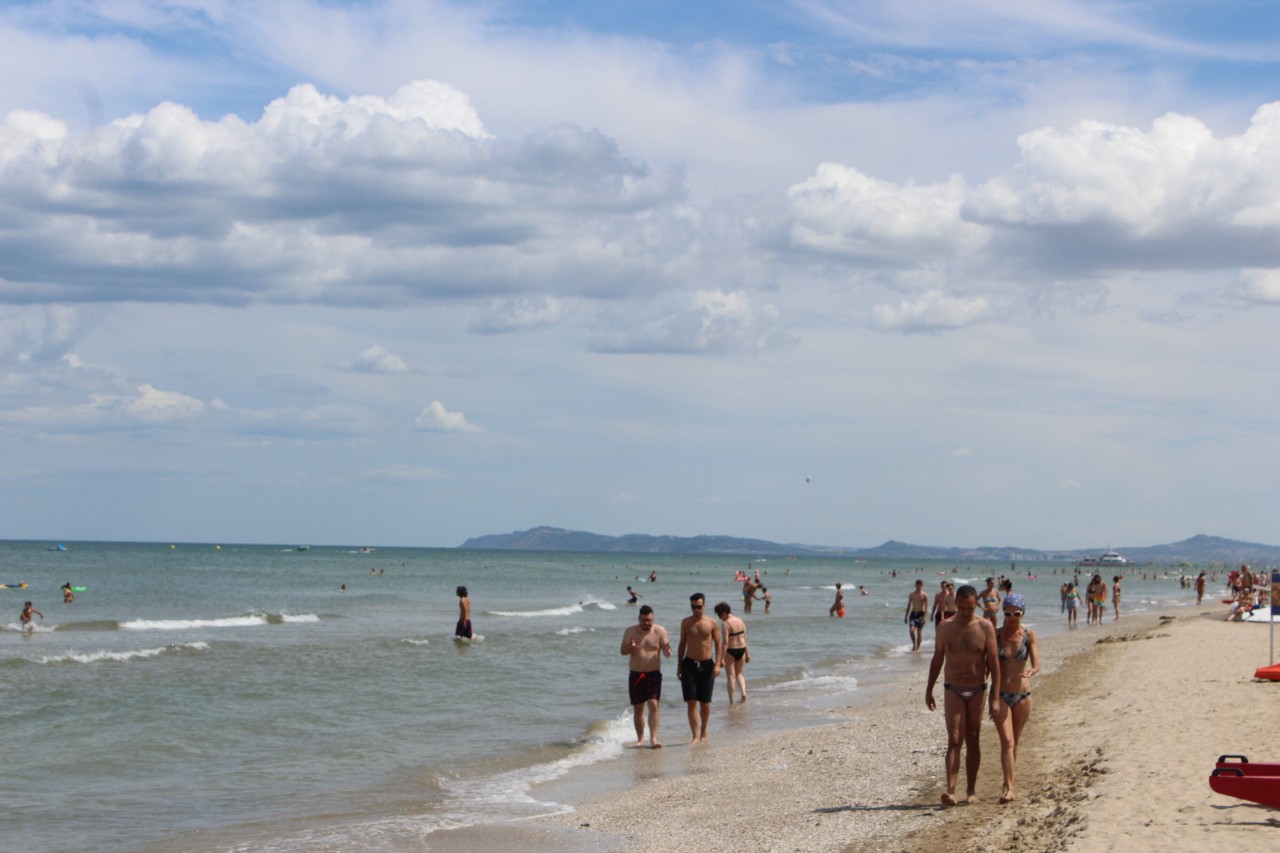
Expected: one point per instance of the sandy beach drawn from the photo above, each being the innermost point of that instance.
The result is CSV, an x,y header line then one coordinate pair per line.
x,y
1128,721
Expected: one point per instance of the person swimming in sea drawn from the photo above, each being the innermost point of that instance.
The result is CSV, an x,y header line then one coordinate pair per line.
x,y
25,617
634,596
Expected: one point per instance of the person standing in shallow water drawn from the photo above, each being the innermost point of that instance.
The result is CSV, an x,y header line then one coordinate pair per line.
x,y
25,619
733,639
967,650
463,628
917,608
643,642
1019,655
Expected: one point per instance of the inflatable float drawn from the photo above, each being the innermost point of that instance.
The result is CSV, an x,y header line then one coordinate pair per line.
x,y
1237,776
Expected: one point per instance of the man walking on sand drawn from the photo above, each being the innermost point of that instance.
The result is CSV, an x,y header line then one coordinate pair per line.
x,y
967,648
917,607
643,642
698,662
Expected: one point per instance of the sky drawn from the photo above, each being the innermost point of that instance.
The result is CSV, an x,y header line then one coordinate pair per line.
x,y
832,272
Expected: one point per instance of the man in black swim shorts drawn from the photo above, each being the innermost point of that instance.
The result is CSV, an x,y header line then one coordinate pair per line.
x,y
699,659
643,642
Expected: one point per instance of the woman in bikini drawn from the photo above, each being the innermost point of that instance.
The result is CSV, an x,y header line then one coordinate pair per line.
x,y
733,636
1019,660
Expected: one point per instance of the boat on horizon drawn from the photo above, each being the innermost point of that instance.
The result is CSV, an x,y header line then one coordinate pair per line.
x,y
1108,558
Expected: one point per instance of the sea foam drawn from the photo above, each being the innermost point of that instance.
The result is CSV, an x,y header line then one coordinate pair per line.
x,y
135,654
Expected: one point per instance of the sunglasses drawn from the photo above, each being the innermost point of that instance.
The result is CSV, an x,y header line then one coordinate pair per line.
x,y
1017,614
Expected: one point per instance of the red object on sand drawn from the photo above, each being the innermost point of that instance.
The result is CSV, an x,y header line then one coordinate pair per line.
x,y
1270,673
1247,767
1230,782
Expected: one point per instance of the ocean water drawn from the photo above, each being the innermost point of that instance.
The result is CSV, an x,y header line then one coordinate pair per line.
x,y
209,698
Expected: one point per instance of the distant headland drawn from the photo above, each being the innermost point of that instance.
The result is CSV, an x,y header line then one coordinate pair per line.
x,y
1197,549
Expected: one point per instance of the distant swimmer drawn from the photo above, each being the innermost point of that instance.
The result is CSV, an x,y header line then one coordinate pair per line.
x,y
25,617
837,606
68,595
767,598
643,642
862,590
464,615
632,595
749,588
342,588
653,576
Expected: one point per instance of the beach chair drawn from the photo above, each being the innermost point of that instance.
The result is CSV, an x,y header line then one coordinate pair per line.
x,y
1237,776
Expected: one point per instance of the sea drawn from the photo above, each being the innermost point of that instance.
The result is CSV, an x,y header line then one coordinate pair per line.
x,y
217,697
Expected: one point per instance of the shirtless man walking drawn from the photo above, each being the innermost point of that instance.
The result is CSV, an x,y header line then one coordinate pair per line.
x,y
643,642
967,648
917,607
698,662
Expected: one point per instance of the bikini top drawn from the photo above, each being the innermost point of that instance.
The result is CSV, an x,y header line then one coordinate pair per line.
x,y
1023,652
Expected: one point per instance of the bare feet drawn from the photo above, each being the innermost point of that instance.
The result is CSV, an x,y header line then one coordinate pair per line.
x,y
655,745
948,799
1006,798
972,798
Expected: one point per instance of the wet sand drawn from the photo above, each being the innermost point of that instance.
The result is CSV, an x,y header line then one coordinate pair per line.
x,y
1128,721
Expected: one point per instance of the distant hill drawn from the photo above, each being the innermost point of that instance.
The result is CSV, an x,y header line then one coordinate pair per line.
x,y
1197,549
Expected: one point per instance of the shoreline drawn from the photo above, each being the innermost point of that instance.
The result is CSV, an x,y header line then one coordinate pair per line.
x,y
870,780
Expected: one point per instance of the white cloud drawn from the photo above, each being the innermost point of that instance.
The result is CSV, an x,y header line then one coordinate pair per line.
x,y
708,321
518,314
378,359
1070,485
147,406
931,312
362,200
1260,285
401,473
1101,194
436,418
962,453
841,211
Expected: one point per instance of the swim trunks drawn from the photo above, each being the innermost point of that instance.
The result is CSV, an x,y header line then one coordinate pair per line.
x,y
736,653
966,693
916,618
697,678
463,629
644,686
